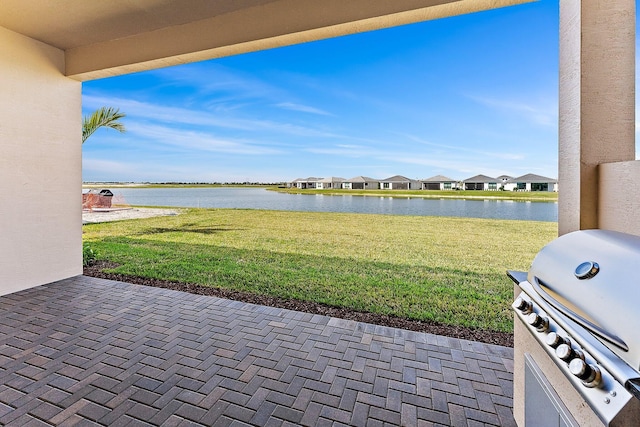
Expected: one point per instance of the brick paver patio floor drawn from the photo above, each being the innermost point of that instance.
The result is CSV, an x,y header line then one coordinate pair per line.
x,y
86,351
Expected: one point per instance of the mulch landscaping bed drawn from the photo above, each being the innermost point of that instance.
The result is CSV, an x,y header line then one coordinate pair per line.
x,y
490,337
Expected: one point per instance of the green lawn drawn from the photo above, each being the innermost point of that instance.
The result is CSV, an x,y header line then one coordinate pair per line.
x,y
450,270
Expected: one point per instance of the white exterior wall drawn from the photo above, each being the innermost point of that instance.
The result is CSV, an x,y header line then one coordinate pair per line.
x,y
513,186
40,165
454,185
597,107
619,201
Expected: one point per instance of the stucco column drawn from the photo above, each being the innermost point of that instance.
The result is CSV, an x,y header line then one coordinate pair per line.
x,y
597,101
40,165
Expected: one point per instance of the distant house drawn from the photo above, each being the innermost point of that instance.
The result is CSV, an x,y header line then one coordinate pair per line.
x,y
528,182
481,182
503,179
532,182
399,182
304,183
331,182
361,183
439,182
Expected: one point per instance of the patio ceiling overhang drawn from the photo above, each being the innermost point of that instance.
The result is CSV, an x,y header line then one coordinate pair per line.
x,y
106,38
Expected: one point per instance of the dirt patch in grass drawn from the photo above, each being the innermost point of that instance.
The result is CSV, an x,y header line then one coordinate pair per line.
x,y
490,337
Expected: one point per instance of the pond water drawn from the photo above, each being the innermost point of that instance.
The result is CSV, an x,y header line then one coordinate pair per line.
x,y
259,198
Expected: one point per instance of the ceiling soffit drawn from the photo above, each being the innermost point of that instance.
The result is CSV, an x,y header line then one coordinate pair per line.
x,y
106,38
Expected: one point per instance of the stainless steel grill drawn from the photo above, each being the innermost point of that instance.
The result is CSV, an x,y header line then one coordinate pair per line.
x,y
580,301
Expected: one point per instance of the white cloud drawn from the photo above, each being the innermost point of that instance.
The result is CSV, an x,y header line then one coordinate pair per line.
x,y
453,161
211,78
108,167
545,113
189,140
468,167
344,151
155,171
302,108
491,154
195,117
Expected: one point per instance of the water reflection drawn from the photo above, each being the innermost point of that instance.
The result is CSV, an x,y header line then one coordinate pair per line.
x,y
258,198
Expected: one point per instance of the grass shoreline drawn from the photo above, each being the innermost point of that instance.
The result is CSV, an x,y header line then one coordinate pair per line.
x,y
543,197
446,270
524,196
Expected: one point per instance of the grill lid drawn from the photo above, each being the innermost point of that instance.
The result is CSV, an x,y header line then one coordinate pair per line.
x,y
592,277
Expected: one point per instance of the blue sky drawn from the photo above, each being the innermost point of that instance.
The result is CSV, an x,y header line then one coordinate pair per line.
x,y
474,94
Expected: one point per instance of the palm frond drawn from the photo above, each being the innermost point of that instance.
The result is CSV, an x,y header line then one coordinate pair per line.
x,y
102,117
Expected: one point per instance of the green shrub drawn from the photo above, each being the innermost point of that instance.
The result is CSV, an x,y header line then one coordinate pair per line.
x,y
88,255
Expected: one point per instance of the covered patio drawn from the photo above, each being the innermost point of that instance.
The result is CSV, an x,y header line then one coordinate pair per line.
x,y
80,351
88,351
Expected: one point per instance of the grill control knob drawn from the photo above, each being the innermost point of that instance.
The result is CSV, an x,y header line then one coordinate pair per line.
x,y
523,305
539,322
589,374
554,340
565,352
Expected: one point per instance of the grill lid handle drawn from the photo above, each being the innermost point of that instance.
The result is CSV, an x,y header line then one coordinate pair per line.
x,y
538,286
633,386
517,276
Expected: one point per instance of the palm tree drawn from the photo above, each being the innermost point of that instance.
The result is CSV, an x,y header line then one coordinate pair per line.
x,y
102,117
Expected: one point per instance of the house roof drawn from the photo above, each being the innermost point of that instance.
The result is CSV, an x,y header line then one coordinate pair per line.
x,y
439,178
530,177
396,178
362,179
504,178
311,178
481,178
333,179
